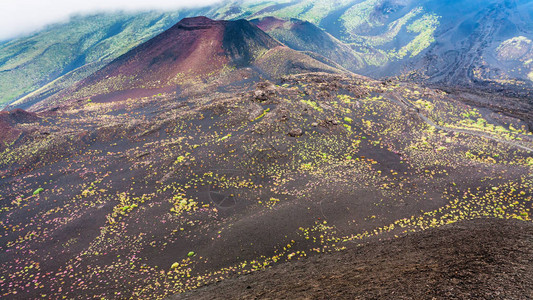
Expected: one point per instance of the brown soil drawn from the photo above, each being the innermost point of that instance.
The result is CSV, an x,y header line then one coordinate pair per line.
x,y
478,259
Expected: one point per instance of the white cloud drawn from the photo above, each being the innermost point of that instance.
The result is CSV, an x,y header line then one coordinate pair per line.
x,y
24,16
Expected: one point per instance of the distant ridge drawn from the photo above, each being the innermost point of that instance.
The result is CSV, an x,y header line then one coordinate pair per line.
x,y
305,36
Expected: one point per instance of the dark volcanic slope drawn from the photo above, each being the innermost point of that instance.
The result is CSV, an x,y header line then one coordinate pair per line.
x,y
477,259
305,36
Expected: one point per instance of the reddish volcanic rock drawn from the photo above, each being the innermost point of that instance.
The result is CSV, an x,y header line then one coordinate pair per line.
x,y
192,49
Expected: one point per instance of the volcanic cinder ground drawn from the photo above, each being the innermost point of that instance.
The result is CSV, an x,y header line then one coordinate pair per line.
x,y
315,164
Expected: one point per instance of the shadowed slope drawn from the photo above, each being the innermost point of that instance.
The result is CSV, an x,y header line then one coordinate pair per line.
x,y
483,259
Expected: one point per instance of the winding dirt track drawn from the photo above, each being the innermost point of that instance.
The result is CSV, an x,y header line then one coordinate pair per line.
x,y
406,104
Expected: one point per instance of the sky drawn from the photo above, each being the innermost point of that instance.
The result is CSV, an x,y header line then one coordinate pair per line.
x,y
19,17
